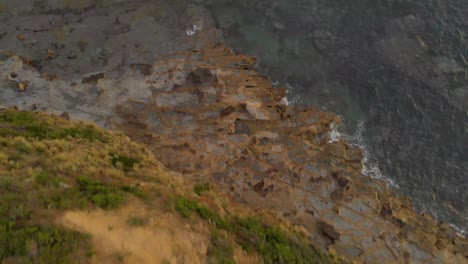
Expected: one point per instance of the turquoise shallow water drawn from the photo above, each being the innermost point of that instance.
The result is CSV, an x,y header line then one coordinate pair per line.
x,y
398,68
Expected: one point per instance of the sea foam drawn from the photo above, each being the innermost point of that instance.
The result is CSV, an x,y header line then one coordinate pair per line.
x,y
370,166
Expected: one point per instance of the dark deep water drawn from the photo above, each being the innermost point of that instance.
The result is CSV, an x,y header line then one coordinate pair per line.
x,y
397,66
396,70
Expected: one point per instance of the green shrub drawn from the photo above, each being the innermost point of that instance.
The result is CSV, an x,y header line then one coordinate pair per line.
x,y
22,242
214,218
185,206
88,132
126,162
138,192
13,202
44,179
51,194
39,244
104,196
201,188
106,200
30,125
62,198
273,244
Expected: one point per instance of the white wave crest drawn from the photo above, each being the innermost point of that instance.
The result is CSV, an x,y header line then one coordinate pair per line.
x,y
192,31
370,166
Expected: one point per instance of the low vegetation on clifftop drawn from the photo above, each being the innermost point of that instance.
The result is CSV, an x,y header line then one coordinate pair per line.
x,y
53,171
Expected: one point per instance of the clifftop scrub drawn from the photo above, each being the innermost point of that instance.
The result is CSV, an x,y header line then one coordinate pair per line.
x,y
53,179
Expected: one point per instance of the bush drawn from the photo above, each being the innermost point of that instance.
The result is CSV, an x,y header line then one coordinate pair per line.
x,y
44,179
273,244
201,188
138,192
185,206
126,162
39,244
62,198
31,125
104,196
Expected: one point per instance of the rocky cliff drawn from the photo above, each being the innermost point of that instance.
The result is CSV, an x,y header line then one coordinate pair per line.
x,y
208,116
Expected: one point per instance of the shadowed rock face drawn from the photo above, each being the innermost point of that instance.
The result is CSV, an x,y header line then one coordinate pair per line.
x,y
208,115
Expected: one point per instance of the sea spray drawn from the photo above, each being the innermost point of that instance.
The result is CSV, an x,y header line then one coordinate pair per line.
x,y
370,166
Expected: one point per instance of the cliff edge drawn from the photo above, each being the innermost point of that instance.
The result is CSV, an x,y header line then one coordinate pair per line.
x,y
210,122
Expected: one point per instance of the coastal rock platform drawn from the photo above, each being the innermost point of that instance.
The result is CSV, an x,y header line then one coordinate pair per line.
x,y
208,115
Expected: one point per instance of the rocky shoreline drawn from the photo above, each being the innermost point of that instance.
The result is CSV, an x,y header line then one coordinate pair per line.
x,y
398,67
208,115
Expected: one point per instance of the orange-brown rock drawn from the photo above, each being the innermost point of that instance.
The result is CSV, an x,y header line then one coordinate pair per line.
x,y
209,115
223,123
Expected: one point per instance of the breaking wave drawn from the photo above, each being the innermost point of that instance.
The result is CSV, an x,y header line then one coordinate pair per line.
x,y
370,166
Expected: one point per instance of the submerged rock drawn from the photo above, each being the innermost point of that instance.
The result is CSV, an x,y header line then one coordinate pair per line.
x,y
447,65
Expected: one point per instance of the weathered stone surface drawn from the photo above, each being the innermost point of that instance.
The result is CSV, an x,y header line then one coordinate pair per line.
x,y
208,115
347,251
178,100
350,215
379,254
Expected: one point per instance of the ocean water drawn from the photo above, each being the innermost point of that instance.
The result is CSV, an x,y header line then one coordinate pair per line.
x,y
396,70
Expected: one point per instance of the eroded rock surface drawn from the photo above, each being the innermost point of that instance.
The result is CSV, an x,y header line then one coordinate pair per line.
x,y
209,115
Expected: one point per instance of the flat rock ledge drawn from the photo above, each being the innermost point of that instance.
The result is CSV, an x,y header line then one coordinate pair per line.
x,y
209,115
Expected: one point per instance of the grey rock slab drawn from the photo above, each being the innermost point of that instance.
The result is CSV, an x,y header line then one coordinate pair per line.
x,y
348,214
381,254
417,255
339,223
183,99
370,226
319,204
345,239
367,243
347,251
359,206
